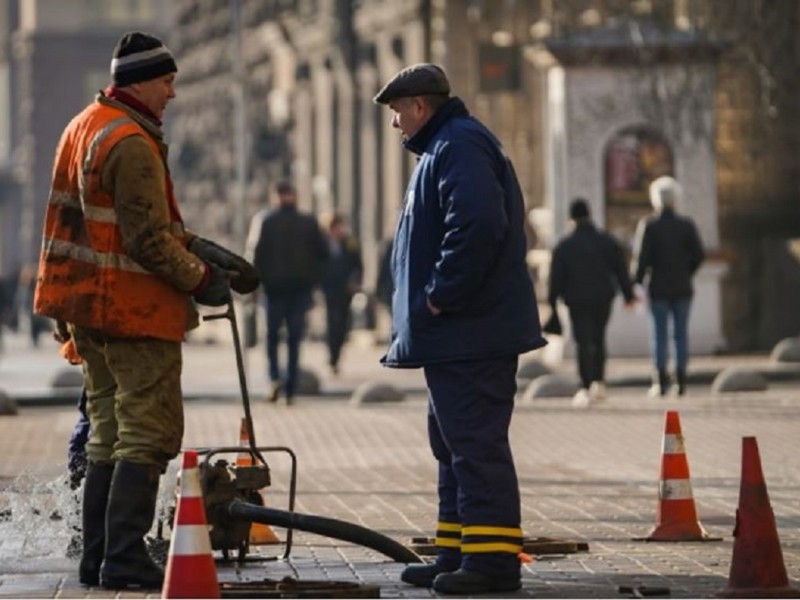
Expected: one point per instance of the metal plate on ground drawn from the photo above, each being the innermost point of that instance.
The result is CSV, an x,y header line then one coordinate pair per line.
x,y
534,546
293,588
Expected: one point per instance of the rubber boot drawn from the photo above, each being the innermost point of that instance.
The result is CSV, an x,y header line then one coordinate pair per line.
x,y
95,500
129,517
680,375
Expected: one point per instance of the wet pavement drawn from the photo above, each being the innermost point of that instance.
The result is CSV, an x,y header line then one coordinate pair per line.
x,y
585,475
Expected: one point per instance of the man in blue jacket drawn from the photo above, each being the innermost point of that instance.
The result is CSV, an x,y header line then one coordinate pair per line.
x,y
463,309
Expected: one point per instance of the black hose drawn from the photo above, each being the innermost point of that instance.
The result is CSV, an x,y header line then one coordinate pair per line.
x,y
333,528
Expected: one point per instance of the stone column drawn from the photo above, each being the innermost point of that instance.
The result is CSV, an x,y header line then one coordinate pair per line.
x,y
324,135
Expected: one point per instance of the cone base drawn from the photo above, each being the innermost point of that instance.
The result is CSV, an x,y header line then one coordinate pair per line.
x,y
780,592
679,532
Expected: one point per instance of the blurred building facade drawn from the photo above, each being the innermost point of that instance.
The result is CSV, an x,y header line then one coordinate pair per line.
x,y
590,97
722,107
54,57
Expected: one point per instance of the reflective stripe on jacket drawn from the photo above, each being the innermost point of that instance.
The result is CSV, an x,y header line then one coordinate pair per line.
x,y
86,277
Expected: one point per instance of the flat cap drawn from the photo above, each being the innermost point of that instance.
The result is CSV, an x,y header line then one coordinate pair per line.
x,y
417,80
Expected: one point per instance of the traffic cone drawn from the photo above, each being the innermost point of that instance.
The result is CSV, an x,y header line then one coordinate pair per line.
x,y
190,571
677,516
260,534
757,568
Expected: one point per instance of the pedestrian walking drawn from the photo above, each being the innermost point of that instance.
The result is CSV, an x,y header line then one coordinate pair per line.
x,y
117,272
287,248
341,279
37,325
463,310
667,253
5,308
587,271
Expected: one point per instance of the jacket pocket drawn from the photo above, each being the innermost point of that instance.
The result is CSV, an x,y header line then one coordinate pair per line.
x,y
420,316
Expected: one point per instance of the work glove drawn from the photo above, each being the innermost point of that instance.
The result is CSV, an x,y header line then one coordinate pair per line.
x,y
217,291
244,278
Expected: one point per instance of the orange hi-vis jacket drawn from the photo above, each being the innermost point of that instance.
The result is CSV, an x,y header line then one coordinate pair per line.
x,y
85,275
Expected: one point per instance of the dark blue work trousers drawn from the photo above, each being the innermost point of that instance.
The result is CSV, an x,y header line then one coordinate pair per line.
x,y
469,413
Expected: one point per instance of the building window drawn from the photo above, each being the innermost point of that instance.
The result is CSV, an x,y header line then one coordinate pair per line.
x,y
633,159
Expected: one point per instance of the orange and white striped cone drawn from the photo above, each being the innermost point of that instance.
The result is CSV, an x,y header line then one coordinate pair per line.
x,y
190,571
677,516
260,534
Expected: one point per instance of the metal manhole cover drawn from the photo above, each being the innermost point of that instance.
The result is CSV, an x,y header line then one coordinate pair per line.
x,y
293,588
535,546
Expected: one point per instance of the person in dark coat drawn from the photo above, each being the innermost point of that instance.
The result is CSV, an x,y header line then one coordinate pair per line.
x,y
587,270
287,249
667,253
463,309
341,279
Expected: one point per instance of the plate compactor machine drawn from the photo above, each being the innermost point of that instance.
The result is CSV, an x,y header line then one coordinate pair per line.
x,y
232,492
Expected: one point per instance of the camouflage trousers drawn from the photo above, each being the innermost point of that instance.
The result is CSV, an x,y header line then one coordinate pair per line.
x,y
135,404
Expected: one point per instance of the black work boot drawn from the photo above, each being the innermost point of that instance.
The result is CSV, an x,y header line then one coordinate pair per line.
x,y
95,499
680,375
129,516
423,575
467,583
447,560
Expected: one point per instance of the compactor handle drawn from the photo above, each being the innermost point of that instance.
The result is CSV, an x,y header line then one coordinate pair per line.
x,y
230,314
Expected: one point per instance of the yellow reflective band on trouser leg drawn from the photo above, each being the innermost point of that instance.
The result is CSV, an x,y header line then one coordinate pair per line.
x,y
477,539
448,535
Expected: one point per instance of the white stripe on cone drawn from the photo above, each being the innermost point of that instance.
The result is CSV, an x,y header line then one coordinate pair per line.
x,y
190,484
675,489
673,444
190,540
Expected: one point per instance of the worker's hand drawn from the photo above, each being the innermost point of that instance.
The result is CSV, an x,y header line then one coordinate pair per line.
x,y
246,279
217,291
434,311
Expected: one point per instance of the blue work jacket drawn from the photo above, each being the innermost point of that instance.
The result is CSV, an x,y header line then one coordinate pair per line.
x,y
460,244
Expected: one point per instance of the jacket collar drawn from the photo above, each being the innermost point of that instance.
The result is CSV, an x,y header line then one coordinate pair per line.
x,y
154,130
118,94
451,109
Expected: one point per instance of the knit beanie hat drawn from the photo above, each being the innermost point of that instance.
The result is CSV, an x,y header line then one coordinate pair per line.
x,y
140,57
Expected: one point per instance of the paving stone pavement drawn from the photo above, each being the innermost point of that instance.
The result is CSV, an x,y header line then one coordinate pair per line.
x,y
588,475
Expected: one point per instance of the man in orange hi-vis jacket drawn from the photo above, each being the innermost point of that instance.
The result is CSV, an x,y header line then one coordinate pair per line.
x,y
118,272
